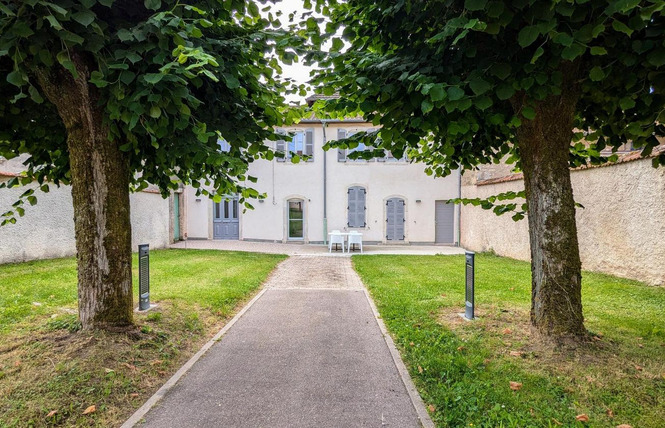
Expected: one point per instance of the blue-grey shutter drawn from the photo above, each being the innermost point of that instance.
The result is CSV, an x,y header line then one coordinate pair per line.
x,y
280,145
356,206
309,144
395,219
341,153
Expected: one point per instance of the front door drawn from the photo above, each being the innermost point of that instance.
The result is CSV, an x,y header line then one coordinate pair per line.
x,y
395,219
225,219
296,219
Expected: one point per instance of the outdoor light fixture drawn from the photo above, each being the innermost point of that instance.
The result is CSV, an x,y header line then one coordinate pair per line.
x,y
418,201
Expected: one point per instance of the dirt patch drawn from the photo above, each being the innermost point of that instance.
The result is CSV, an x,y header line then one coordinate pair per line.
x,y
51,374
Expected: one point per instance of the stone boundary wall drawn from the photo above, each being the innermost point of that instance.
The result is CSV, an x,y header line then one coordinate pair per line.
x,y
621,230
47,229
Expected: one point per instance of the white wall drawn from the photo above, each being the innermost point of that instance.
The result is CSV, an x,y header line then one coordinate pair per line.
x,y
284,180
621,229
47,229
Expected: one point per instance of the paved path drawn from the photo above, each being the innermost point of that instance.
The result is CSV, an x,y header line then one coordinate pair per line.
x,y
308,353
314,249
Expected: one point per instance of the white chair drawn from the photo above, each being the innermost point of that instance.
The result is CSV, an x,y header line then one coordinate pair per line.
x,y
336,237
355,238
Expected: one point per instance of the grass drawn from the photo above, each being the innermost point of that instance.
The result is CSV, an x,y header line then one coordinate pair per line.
x,y
463,369
50,372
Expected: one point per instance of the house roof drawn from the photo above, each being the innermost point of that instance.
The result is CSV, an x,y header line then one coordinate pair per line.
x,y
315,97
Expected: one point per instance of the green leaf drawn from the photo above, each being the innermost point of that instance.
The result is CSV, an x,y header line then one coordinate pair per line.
x,y
32,200
153,78
231,81
455,93
35,95
253,9
475,4
598,50
657,57
426,106
597,74
620,26
21,29
539,52
505,91
483,103
54,22
573,51
479,86
152,4
337,44
563,39
626,103
528,35
125,35
16,78
84,17
437,93
529,112
500,70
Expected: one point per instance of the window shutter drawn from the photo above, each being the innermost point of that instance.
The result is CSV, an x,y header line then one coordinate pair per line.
x,y
341,153
309,144
360,206
356,207
280,145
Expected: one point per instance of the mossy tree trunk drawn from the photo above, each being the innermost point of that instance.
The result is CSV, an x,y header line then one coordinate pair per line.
x,y
100,192
544,145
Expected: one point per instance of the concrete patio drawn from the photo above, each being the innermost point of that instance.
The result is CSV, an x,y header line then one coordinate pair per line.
x,y
293,249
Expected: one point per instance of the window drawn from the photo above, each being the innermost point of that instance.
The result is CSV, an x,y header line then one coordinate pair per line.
x,y
301,144
296,219
342,154
356,207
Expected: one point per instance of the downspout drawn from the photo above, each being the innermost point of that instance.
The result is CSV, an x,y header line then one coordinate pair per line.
x,y
459,207
325,187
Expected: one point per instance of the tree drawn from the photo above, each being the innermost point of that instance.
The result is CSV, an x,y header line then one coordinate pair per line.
x,y
112,94
463,83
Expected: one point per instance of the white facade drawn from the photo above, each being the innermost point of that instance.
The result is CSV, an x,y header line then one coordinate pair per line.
x,y
284,181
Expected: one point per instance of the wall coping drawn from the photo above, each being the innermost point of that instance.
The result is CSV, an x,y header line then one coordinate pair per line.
x,y
628,157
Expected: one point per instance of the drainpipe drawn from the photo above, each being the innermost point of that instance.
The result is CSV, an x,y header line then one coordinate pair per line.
x,y
325,185
459,207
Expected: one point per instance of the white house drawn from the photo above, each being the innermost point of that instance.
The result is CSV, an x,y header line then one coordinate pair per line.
x,y
388,200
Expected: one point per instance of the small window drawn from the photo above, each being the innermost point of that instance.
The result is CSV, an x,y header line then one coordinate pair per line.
x,y
357,207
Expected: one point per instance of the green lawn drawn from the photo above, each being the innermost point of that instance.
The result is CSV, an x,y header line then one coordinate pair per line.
x,y
47,365
463,369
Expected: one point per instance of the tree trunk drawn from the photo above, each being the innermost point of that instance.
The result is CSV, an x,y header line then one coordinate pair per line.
x,y
544,144
100,193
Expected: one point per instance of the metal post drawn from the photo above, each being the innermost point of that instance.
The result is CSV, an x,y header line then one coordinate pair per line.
x,y
144,277
470,279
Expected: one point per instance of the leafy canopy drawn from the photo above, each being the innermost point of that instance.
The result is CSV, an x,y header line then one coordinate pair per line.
x,y
452,81
173,78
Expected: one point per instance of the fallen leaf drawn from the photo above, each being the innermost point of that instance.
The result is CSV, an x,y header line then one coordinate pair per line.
x,y
156,362
512,288
515,386
624,426
161,372
91,409
129,366
516,353
134,394
420,369
582,418
638,368
589,379
411,344
506,331
107,370
51,413
556,422
532,412
609,413
17,363
36,303
460,348
486,361
431,408
596,338
443,295
639,345
639,338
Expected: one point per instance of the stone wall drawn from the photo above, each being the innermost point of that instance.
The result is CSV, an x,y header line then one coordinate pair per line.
x,y
621,229
47,229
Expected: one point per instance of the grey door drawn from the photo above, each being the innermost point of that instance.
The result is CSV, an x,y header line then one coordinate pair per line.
x,y
444,222
225,219
395,219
